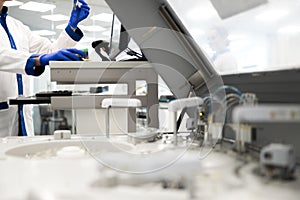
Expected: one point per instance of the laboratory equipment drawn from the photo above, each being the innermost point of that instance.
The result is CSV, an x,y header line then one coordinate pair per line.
x,y
119,39
118,103
180,104
80,73
278,160
177,49
54,93
240,124
62,134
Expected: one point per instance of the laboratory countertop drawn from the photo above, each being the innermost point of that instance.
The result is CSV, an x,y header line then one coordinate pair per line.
x,y
40,168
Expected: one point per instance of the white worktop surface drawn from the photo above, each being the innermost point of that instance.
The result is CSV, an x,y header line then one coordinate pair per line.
x,y
86,178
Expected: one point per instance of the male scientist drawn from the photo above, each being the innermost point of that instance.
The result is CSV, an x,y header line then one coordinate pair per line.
x,y
223,60
23,53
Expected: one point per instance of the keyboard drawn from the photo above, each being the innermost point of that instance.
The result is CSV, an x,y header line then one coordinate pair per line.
x,y
54,93
98,89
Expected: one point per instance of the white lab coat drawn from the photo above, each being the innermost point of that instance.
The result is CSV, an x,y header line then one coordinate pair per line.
x,y
225,63
14,61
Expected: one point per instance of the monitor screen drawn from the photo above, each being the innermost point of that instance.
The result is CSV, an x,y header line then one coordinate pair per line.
x,y
119,39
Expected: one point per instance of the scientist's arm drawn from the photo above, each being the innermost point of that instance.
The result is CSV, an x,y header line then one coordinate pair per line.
x,y
15,61
40,50
68,38
20,62
35,65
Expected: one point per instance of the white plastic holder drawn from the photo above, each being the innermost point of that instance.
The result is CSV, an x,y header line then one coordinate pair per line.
x,y
62,134
266,113
118,103
180,104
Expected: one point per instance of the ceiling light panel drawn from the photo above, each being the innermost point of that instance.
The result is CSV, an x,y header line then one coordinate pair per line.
x,y
61,26
271,15
289,29
56,17
104,17
37,7
13,3
106,33
92,28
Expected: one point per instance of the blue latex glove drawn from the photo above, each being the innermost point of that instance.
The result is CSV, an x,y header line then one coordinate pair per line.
x,y
62,55
79,13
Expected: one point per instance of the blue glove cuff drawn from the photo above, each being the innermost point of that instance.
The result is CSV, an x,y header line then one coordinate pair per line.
x,y
31,69
76,36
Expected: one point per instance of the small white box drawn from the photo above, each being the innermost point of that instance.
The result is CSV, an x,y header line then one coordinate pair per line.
x,y
62,134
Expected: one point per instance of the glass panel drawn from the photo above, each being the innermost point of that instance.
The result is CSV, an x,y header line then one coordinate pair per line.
x,y
260,37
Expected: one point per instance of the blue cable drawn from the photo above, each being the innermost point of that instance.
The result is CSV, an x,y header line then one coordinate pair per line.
x,y
227,87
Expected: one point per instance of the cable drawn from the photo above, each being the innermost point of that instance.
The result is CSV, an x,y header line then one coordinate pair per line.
x,y
227,87
131,52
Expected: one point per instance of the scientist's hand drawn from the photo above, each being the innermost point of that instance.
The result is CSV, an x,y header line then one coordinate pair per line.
x,y
61,55
79,13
